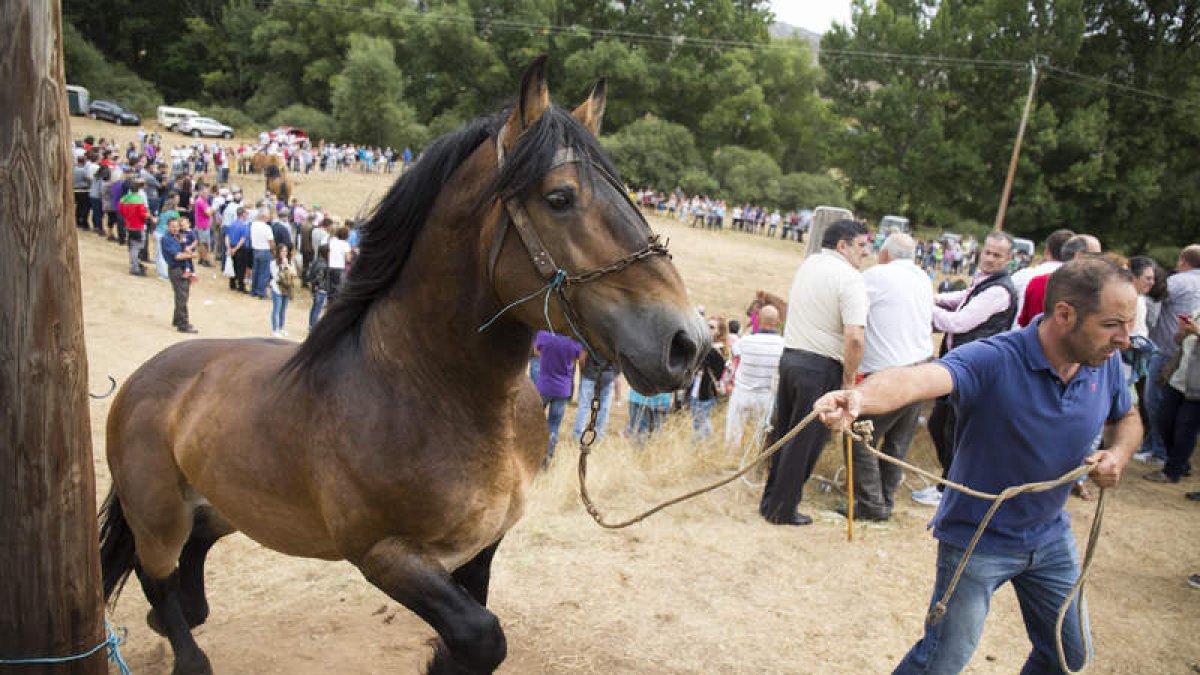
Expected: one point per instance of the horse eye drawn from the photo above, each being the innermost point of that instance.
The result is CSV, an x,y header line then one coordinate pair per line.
x,y
560,200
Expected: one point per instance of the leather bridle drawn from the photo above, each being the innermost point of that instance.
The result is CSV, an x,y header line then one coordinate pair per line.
x,y
558,279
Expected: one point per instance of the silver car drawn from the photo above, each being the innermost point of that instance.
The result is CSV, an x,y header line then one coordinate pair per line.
x,y
204,126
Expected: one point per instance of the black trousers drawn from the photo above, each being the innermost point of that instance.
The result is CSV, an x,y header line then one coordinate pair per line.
x,y
83,204
803,378
241,262
181,287
942,422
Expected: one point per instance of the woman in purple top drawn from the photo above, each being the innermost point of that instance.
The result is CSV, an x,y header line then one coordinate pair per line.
x,y
558,355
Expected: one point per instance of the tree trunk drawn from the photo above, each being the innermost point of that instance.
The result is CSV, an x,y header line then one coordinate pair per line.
x,y
50,599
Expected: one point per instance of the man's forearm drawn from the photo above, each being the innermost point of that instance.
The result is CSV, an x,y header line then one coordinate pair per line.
x,y
1127,435
895,388
852,353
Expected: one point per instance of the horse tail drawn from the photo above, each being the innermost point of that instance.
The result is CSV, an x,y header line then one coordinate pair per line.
x,y
118,554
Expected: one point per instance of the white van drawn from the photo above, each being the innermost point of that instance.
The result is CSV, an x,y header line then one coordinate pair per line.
x,y
169,117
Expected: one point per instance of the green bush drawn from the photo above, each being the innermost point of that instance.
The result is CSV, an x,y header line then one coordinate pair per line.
x,y
695,181
318,125
810,190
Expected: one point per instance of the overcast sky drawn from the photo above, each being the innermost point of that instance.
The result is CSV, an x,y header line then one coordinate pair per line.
x,y
815,15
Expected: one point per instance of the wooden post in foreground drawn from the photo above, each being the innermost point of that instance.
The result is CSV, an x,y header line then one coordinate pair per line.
x,y
50,597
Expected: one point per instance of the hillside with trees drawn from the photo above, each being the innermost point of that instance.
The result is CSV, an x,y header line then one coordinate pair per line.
x,y
912,109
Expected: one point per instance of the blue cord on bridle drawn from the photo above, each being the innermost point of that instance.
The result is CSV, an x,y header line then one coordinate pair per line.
x,y
554,286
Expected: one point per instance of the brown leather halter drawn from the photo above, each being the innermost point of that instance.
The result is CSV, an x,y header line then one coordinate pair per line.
x,y
557,279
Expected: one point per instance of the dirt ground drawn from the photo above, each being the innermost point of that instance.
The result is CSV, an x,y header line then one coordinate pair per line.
x,y
705,587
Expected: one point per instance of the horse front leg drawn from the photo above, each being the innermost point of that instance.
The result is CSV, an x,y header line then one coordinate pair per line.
x,y
471,640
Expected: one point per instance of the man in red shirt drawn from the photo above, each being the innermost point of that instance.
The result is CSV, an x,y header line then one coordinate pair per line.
x,y
1035,292
134,211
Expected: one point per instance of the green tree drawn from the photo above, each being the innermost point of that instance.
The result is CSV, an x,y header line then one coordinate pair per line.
x,y
653,153
368,95
747,175
810,190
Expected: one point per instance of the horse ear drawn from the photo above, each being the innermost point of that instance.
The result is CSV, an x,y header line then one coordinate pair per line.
x,y
534,100
591,112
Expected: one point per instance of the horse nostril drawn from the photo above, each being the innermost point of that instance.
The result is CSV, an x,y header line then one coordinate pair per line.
x,y
683,352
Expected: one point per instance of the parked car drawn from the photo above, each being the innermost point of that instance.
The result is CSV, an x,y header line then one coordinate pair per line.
x,y
203,126
282,133
113,112
170,117
891,224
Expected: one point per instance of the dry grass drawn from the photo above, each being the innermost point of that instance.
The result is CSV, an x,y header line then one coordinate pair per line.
x,y
704,587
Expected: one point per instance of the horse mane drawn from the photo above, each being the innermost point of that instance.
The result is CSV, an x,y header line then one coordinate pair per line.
x,y
393,226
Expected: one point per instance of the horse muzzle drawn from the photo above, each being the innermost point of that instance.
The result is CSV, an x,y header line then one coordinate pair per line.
x,y
658,349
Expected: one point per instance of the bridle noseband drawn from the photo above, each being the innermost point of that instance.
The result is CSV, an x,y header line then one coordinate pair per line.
x,y
557,279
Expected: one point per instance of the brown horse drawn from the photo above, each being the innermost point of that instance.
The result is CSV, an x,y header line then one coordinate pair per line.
x,y
280,186
763,298
400,436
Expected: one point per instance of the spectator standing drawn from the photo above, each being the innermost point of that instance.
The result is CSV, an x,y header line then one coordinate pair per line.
x,y
755,379
708,378
897,335
134,213
81,182
597,378
827,312
283,285
558,355
96,197
177,258
1030,403
237,247
339,259
1183,299
202,216
646,414
1035,291
262,247
165,215
1051,260
318,283
986,308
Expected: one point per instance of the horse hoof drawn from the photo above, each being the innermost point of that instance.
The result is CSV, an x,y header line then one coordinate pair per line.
x,y
195,665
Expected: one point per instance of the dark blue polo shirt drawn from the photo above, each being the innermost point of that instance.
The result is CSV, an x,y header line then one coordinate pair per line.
x,y
1019,423
172,247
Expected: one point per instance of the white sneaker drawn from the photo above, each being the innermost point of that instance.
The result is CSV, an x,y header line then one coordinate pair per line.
x,y
929,496
276,333
1149,458
285,333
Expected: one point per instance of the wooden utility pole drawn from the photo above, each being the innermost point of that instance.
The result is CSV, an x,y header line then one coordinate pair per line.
x,y
50,598
1016,153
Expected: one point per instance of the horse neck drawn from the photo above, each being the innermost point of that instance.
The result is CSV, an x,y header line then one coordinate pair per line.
x,y
429,321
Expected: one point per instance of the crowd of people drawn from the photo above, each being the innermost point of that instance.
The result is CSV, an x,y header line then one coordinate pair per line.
x,y
1040,368
175,210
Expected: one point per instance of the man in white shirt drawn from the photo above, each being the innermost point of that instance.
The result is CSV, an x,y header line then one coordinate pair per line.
x,y
823,340
897,335
1051,260
262,246
755,378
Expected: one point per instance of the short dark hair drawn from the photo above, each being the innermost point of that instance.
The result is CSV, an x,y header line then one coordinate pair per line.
x,y
842,230
1080,282
1073,247
1055,241
735,326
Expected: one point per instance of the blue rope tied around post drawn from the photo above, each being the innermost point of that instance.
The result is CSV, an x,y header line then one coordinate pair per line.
x,y
555,285
112,642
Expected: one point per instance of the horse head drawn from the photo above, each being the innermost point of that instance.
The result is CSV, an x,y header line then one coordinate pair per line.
x,y
606,276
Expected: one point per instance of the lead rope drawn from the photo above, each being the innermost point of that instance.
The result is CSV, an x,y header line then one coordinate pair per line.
x,y
861,431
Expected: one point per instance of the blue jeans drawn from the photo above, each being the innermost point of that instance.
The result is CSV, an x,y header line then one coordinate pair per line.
x,y
1153,442
701,424
317,306
587,391
1042,579
1178,423
261,274
279,303
555,407
643,421
97,214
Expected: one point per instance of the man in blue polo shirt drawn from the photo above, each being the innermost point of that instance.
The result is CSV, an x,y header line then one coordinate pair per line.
x,y
1029,404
